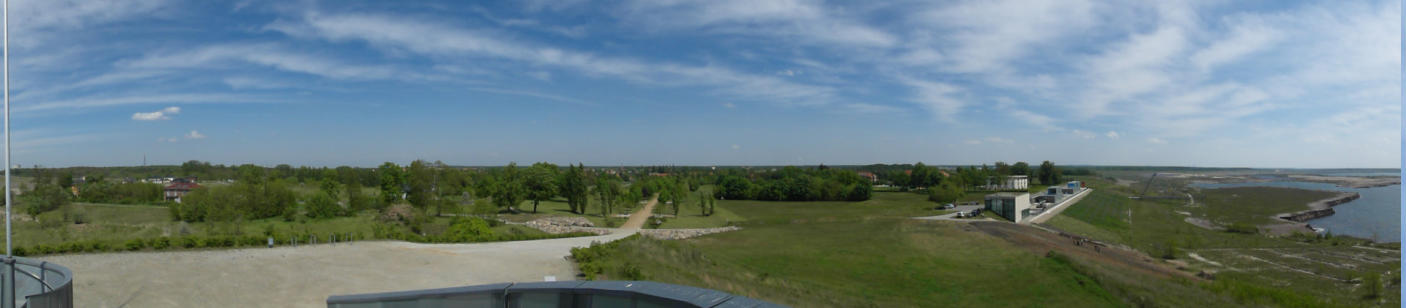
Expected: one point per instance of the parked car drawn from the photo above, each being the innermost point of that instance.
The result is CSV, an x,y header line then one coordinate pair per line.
x,y
948,206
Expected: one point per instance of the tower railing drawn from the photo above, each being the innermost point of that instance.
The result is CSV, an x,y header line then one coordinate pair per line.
x,y
29,283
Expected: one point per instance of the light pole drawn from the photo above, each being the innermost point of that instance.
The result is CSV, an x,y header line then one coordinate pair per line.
x,y
8,203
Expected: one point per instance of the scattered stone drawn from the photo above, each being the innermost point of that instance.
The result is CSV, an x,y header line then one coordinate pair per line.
x,y
678,234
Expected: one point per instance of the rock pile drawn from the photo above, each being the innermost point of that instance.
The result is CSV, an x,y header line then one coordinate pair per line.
x,y
559,225
678,234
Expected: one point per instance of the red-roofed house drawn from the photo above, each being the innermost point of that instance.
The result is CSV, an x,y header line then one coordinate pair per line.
x,y
176,190
869,175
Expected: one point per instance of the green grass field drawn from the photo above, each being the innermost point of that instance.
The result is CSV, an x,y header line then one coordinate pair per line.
x,y
869,254
114,225
855,254
1253,267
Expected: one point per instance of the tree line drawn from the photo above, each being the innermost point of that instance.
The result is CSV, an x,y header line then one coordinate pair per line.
x,y
795,184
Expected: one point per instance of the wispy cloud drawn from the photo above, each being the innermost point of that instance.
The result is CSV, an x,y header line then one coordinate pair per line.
x,y
192,135
445,42
163,114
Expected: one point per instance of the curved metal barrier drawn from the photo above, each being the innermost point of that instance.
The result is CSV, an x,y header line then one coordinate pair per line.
x,y
34,284
582,294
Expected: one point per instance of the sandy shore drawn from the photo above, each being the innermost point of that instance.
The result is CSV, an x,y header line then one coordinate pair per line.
x,y
1350,181
305,276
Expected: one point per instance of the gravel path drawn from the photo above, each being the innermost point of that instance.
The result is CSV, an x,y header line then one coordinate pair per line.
x,y
638,219
305,276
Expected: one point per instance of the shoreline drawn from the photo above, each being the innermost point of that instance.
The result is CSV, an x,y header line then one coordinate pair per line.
x,y
1295,222
1349,181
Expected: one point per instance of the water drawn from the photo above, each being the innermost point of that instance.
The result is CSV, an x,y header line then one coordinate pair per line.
x,y
1374,216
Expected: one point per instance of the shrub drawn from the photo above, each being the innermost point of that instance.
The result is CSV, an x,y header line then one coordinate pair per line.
x,y
135,244
20,251
161,243
1242,228
190,242
468,229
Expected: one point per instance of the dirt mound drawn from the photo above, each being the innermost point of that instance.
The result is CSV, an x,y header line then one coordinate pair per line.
x,y
1040,241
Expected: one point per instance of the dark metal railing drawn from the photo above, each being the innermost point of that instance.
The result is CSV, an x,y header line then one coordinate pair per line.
x,y
32,283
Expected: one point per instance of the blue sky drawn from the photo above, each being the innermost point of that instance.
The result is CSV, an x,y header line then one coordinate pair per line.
x,y
1199,83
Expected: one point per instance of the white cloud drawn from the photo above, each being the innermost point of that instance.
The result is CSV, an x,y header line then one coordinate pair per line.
x,y
871,108
972,141
443,42
1156,140
163,114
192,135
985,36
1084,134
936,97
729,105
736,147
271,55
1112,135
808,21
998,140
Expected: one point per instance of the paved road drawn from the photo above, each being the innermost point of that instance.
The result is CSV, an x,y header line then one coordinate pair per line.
x,y
306,275
1048,214
953,215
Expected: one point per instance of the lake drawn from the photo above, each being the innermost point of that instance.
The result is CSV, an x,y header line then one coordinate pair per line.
x,y
1377,215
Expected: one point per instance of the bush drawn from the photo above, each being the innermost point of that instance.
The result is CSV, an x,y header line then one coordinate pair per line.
x,y
1242,228
135,244
190,242
468,229
161,243
322,205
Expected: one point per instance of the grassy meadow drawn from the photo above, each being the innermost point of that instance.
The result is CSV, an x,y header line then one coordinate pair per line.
x,y
1299,271
870,254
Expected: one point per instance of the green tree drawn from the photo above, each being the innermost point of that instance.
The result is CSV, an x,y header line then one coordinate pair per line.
x,y
1020,168
1049,174
391,178
575,188
509,190
321,205
945,193
540,182
608,191
421,184
66,180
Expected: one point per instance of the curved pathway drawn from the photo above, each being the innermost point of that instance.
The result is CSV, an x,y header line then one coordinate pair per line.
x,y
305,276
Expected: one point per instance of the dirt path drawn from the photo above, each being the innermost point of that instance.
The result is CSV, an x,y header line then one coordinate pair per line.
x,y
638,219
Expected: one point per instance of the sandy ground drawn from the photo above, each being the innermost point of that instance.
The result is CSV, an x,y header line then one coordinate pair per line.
x,y
305,276
1350,181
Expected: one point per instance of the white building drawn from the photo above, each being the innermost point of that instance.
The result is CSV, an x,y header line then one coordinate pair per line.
x,y
1014,182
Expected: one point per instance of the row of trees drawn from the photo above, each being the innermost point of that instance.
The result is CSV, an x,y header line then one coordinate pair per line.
x,y
796,184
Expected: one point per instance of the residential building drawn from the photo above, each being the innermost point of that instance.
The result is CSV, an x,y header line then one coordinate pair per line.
x,y
179,188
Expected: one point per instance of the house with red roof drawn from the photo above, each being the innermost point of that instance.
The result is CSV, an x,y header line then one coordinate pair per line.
x,y
179,188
